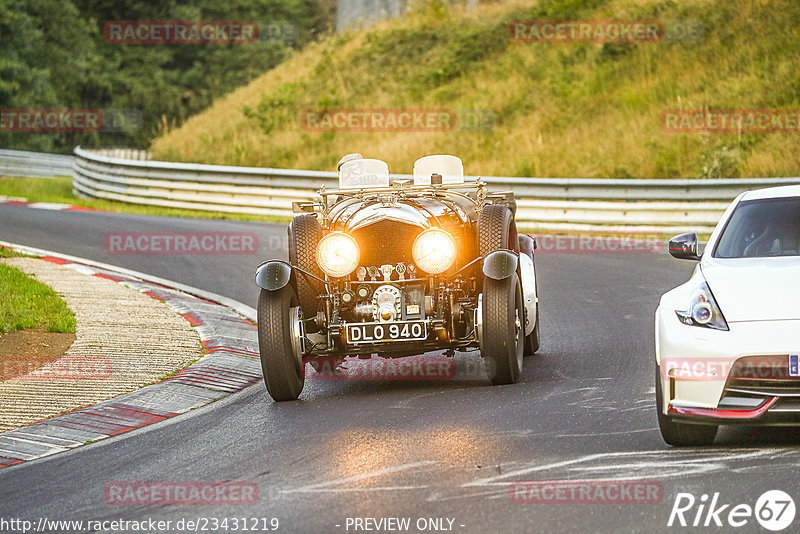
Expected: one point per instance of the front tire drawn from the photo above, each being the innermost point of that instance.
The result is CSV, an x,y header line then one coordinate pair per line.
x,y
281,360
503,331
496,229
305,233
680,434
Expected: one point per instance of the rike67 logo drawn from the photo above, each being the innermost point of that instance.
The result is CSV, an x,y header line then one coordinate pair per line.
x,y
774,510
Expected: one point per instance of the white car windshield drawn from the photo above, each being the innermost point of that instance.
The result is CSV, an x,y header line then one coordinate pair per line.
x,y
762,228
363,173
450,167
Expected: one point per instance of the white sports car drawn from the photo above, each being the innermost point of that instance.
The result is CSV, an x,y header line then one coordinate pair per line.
x,y
727,341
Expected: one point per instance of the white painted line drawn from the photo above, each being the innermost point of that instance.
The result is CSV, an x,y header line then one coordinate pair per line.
x,y
49,206
37,437
668,458
80,268
14,455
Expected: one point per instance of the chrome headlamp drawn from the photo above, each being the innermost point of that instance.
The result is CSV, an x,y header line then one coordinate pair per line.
x,y
434,251
338,254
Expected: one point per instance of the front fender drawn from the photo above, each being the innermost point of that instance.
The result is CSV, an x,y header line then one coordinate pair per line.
x,y
273,275
500,264
527,277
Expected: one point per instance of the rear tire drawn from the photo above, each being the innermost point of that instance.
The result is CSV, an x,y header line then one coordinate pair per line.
x,y
532,341
282,367
305,233
503,330
680,434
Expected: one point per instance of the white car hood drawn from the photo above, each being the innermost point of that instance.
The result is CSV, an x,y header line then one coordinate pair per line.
x,y
755,289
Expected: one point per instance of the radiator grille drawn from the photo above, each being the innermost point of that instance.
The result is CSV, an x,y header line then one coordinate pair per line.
x,y
762,375
386,242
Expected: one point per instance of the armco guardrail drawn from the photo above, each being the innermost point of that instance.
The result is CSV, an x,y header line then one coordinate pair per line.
x,y
34,164
566,204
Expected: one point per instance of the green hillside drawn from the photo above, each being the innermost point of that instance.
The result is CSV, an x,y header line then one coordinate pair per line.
x,y
580,109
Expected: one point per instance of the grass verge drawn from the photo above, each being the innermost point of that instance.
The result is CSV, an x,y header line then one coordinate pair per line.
x,y
11,253
26,303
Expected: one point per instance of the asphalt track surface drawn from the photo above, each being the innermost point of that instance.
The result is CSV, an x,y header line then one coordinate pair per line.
x,y
584,410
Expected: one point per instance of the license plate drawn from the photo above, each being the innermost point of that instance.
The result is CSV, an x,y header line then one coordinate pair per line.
x,y
794,365
381,332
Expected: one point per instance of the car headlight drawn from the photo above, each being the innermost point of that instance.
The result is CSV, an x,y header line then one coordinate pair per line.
x,y
703,310
338,254
434,251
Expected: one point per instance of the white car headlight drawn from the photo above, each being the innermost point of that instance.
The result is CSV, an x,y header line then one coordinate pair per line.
x,y
703,310
434,251
338,254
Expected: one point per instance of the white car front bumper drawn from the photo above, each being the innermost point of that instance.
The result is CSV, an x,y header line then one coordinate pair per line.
x,y
696,363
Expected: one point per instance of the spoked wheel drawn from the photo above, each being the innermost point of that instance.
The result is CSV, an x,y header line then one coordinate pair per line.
x,y
503,331
280,343
681,434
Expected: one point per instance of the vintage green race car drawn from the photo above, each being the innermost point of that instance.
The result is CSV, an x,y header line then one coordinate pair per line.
x,y
399,268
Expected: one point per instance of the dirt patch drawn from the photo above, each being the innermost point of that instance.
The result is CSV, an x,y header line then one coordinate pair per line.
x,y
27,350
